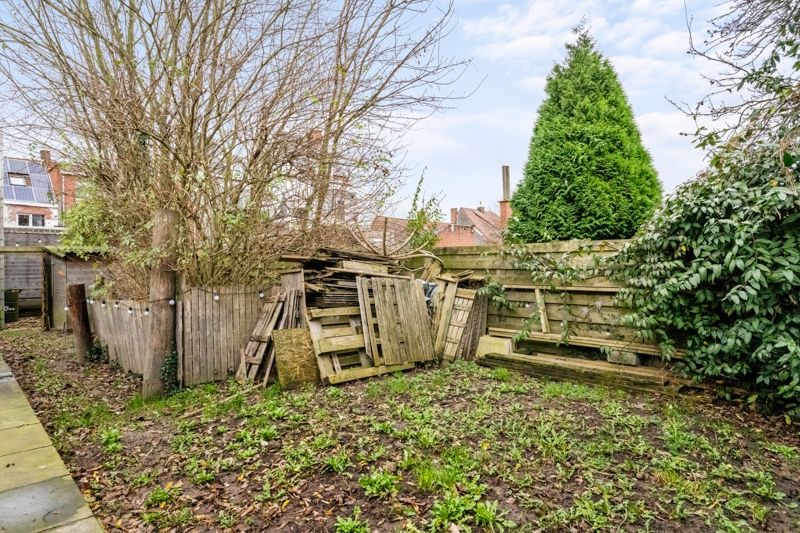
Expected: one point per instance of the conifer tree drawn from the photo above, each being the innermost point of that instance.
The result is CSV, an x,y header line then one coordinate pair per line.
x,y
588,175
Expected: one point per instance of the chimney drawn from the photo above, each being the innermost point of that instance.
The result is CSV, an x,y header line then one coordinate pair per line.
x,y
481,209
505,203
46,158
453,215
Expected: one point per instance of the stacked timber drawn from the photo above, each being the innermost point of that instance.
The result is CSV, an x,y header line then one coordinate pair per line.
x,y
364,316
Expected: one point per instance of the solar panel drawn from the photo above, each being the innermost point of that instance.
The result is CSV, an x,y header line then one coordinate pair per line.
x,y
39,191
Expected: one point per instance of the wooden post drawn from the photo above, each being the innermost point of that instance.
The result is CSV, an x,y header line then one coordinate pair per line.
x,y
162,289
79,315
47,291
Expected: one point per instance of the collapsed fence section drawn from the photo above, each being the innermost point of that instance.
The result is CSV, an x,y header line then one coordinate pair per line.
x,y
562,317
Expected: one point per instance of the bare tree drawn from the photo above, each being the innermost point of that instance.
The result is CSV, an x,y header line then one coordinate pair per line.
x,y
756,45
255,120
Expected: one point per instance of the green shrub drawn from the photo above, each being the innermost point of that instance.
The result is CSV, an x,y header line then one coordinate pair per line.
x,y
718,269
588,175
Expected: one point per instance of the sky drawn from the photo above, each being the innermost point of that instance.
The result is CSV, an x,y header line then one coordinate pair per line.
x,y
513,46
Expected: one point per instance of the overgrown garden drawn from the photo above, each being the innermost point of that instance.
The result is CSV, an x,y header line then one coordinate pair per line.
x,y
459,444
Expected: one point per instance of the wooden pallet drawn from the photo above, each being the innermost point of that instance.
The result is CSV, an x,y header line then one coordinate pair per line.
x,y
459,319
252,355
475,329
397,328
337,339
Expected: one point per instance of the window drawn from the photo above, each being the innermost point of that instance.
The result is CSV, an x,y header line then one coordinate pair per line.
x,y
19,179
30,220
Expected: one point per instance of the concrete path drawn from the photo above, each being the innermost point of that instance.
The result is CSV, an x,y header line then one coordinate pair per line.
x,y
36,490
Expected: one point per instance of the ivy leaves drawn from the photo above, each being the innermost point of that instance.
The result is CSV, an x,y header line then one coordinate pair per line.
x,y
718,269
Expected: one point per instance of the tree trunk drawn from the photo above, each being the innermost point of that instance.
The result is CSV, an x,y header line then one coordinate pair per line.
x,y
79,316
162,289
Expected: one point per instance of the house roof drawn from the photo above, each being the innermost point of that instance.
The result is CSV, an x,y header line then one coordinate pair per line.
x,y
38,191
486,222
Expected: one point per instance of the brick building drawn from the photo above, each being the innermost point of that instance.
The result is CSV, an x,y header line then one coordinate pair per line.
x,y
36,193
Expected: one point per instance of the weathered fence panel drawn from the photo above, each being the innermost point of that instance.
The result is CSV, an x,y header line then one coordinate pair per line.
x,y
122,328
586,308
215,324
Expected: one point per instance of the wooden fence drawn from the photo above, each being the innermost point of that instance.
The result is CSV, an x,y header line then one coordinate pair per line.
x,y
213,324
585,308
122,328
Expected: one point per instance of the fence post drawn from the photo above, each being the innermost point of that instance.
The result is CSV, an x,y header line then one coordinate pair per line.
x,y
79,315
162,289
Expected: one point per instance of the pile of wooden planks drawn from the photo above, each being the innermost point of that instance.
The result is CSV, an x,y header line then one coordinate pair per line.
x,y
282,311
593,372
364,317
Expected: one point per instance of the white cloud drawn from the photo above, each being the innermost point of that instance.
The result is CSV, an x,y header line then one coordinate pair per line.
x,y
657,7
656,78
534,84
672,152
668,44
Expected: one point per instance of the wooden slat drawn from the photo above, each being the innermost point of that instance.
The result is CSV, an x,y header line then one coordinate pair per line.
x,y
360,373
341,344
333,311
443,317
368,320
636,347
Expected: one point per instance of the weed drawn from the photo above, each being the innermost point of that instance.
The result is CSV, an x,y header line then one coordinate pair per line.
x,y
161,496
338,463
200,471
352,524
334,393
111,439
490,517
299,458
787,452
165,519
267,433
324,441
452,509
226,519
500,374
373,389
763,484
274,486
145,478
379,483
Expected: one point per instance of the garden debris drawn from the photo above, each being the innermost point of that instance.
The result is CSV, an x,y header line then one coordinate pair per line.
x,y
258,356
367,316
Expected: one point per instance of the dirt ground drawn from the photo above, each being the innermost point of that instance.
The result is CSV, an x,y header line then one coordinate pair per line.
x,y
452,448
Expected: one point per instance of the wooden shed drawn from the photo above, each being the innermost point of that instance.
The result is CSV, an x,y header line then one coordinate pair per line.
x,y
47,272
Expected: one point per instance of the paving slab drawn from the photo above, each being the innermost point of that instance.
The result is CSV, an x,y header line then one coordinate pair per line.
x,y
25,437
16,416
36,490
31,466
11,394
42,506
